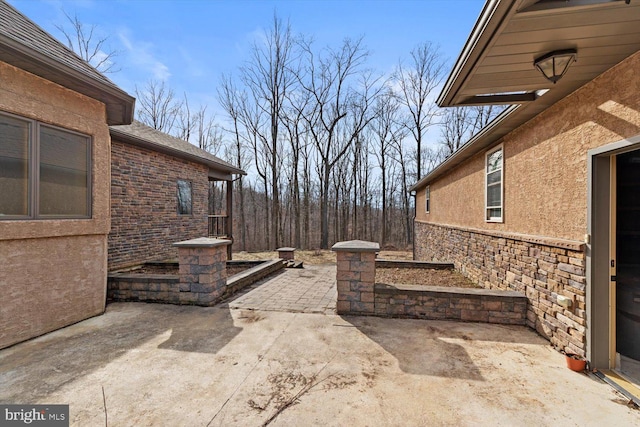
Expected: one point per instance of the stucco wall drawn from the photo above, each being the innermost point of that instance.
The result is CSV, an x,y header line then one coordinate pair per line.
x,y
545,162
144,217
47,284
53,272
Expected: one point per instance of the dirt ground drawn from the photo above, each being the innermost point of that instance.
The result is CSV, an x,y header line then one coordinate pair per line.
x,y
161,269
162,365
316,257
420,276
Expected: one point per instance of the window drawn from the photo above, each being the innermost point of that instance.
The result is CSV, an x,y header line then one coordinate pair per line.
x,y
44,171
184,197
427,199
493,185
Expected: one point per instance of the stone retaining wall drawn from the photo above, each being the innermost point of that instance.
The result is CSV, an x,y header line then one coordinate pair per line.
x,y
443,303
159,288
358,294
167,289
540,268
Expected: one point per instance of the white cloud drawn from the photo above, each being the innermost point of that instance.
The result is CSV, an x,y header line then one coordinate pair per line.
x,y
192,66
140,56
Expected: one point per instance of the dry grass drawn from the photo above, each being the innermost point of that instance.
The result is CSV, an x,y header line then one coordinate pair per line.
x,y
316,257
407,276
420,276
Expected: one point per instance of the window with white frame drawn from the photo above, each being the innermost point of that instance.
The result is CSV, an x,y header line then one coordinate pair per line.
x,y
45,171
494,185
427,199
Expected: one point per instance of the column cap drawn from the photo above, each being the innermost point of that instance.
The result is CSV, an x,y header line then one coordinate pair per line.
x,y
202,242
356,246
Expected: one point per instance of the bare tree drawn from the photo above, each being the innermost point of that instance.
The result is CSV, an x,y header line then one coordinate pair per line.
x,y
185,121
335,104
269,76
88,45
231,100
482,115
459,124
297,131
386,130
454,129
157,106
417,83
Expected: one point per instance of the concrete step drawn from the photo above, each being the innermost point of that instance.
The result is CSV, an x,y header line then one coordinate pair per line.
x,y
293,264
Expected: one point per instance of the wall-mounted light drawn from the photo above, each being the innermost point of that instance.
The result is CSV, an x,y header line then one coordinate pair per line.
x,y
555,64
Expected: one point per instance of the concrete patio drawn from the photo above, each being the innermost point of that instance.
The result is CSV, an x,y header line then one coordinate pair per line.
x,y
162,365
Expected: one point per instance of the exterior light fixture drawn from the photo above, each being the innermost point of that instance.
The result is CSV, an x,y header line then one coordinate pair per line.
x,y
555,64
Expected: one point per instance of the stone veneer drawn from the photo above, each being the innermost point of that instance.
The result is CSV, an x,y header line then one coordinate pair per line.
x,y
286,254
541,268
203,270
445,303
355,276
166,288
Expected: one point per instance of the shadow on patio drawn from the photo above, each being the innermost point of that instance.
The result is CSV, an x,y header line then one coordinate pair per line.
x,y
437,348
45,364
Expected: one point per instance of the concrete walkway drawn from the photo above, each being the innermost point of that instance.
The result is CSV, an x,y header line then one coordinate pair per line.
x,y
163,365
311,289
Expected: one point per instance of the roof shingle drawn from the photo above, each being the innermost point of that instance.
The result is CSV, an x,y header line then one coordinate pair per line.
x,y
140,134
25,45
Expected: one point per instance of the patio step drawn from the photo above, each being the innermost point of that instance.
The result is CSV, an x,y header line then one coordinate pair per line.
x,y
293,264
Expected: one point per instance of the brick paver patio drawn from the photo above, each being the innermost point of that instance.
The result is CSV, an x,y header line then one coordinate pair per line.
x,y
308,290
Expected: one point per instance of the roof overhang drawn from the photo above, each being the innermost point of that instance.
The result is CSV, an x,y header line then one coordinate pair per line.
x,y
496,63
119,104
217,171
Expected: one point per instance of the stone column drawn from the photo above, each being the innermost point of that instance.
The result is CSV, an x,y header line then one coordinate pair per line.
x,y
356,275
203,270
286,254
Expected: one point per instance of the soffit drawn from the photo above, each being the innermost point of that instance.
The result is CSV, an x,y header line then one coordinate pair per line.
x,y
509,35
500,60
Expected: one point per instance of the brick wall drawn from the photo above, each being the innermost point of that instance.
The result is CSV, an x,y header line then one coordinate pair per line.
x,y
541,268
144,216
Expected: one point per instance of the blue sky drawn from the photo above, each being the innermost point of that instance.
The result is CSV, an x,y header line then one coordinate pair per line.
x,y
190,43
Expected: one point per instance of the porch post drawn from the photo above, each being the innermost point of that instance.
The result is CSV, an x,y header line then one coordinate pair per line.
x,y
229,222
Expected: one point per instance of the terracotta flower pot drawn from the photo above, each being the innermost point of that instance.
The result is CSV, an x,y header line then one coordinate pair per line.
x,y
575,362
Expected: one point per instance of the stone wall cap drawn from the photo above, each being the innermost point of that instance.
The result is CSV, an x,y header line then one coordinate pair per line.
x,y
356,246
202,242
286,249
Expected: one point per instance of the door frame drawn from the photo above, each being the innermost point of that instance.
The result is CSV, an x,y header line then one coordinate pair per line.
x,y
600,213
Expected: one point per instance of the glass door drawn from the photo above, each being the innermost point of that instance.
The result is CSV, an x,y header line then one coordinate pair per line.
x,y
627,258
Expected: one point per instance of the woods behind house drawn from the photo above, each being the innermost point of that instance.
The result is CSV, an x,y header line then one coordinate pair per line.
x,y
331,145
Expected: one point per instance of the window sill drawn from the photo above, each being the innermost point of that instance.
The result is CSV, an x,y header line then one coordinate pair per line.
x,y
46,228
